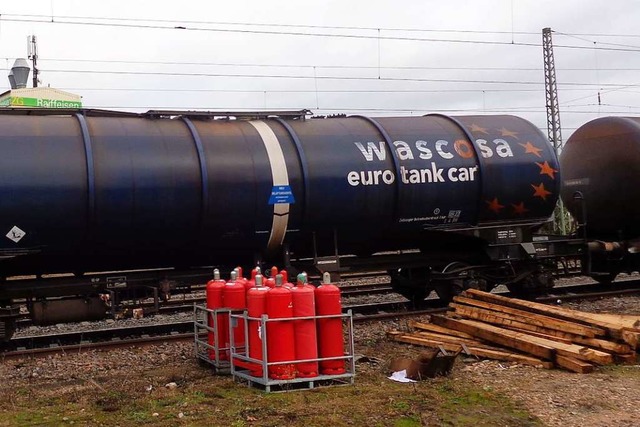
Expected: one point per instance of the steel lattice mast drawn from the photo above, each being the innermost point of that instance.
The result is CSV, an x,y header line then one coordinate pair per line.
x,y
554,131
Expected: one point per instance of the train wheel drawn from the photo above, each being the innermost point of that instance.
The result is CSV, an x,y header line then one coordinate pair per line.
x,y
605,279
447,289
411,284
532,286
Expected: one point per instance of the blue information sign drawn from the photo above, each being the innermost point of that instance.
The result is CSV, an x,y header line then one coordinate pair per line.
x,y
281,194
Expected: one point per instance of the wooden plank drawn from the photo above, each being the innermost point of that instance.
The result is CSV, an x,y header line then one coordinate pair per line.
x,y
541,335
476,351
430,327
624,320
540,347
534,307
626,359
519,320
533,318
631,337
454,340
503,337
601,344
605,345
574,365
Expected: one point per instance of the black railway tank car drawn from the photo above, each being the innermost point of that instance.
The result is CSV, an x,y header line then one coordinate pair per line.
x,y
93,190
600,165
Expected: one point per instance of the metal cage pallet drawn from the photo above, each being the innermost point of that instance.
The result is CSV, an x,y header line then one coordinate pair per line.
x,y
235,359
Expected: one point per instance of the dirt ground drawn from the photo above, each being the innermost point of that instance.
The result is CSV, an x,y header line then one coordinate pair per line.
x,y
133,386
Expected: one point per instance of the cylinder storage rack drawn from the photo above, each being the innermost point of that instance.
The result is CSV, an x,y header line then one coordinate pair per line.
x,y
262,368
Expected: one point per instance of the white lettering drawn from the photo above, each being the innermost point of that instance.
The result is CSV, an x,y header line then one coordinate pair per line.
x,y
437,173
486,151
502,148
425,153
403,150
388,177
353,178
444,154
372,148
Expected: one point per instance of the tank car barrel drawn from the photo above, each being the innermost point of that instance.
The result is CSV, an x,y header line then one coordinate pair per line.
x,y
106,191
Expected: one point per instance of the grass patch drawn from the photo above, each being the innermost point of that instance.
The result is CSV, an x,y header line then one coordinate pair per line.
x,y
203,399
472,406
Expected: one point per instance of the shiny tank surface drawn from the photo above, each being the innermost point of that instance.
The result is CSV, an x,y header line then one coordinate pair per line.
x,y
601,161
86,192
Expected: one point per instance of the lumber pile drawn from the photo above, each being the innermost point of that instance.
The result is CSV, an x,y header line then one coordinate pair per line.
x,y
490,326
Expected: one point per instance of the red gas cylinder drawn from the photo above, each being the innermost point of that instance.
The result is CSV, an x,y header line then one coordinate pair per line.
x,y
271,281
306,343
241,279
274,272
285,276
280,336
256,307
330,341
214,301
285,280
252,283
235,298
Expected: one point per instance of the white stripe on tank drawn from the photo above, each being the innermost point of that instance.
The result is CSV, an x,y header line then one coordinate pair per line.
x,y
279,176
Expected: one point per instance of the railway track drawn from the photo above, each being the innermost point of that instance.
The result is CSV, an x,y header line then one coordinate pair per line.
x,y
39,345
183,304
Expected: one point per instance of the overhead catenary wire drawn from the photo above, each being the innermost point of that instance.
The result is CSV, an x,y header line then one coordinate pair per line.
x,y
60,21
321,77
327,66
53,17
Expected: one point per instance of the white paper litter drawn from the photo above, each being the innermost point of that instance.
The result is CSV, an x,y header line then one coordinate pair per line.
x,y
401,377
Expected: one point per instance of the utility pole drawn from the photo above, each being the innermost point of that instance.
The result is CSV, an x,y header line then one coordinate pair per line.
x,y
32,49
554,132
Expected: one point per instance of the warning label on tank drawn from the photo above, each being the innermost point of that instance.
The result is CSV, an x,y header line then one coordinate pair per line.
x,y
281,194
15,234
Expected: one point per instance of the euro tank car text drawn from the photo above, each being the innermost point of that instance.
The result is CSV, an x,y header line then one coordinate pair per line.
x,y
439,151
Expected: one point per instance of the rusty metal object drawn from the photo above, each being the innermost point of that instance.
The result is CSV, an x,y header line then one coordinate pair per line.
x,y
600,246
49,312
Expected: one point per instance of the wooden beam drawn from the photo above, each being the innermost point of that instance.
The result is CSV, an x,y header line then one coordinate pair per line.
x,y
626,359
455,340
475,351
510,339
536,346
574,365
534,324
605,345
430,327
629,335
624,320
532,318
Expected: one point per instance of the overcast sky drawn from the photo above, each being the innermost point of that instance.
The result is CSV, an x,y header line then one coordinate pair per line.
x,y
489,61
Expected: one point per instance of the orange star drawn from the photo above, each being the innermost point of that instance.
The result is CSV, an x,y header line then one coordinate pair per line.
x,y
478,129
519,209
510,133
546,169
494,205
529,148
540,191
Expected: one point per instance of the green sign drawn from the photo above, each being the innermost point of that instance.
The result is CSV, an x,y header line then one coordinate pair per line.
x,y
16,101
